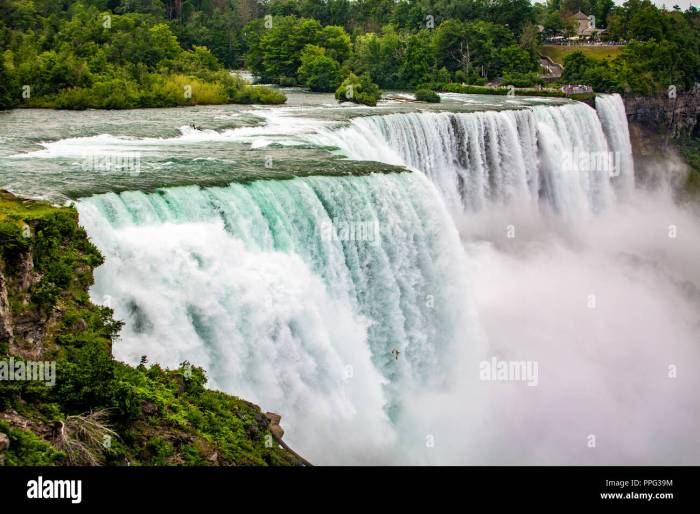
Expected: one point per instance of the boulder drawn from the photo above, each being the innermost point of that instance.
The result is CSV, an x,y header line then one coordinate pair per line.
x,y
274,424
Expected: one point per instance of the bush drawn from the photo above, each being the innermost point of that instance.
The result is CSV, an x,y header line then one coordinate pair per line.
x,y
426,95
466,89
485,90
521,79
12,243
267,95
443,75
358,90
257,95
287,81
472,78
27,449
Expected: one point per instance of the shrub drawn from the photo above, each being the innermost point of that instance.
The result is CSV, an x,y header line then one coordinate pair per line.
x,y
285,81
521,79
467,89
27,449
12,242
426,95
358,90
257,95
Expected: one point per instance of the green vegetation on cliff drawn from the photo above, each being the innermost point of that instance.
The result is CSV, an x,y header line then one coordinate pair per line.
x,y
100,410
663,50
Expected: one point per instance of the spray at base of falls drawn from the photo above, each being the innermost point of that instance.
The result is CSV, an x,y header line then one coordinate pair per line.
x,y
242,281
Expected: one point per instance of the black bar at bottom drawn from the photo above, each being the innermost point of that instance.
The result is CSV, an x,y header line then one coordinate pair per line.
x,y
660,487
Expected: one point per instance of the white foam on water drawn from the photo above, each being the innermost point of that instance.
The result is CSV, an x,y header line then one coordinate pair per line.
x,y
241,281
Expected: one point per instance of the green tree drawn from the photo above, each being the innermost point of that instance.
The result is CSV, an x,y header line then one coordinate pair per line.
x,y
282,44
513,59
336,42
9,88
419,60
576,67
318,71
381,55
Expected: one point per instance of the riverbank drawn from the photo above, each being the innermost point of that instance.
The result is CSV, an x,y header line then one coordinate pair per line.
x,y
505,91
158,90
85,407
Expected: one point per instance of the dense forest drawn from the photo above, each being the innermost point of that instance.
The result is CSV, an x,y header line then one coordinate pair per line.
x,y
109,55
131,53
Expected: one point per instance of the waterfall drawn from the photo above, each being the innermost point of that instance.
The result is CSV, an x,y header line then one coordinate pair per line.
x,y
292,293
611,111
472,158
556,157
345,302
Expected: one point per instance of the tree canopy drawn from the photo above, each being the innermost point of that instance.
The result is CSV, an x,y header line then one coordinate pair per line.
x,y
130,53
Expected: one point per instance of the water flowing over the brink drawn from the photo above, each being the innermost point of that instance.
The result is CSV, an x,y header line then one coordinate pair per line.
x,y
336,301
519,157
291,293
611,111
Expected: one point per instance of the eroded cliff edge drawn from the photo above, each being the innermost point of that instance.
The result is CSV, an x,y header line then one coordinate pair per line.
x,y
665,137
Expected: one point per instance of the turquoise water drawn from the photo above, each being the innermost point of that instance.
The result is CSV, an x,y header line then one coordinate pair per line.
x,y
351,268
47,154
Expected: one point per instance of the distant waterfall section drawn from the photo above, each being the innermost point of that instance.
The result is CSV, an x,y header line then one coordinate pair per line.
x,y
531,156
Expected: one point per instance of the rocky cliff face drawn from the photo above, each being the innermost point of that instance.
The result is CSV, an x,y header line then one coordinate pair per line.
x,y
24,319
98,410
664,131
676,116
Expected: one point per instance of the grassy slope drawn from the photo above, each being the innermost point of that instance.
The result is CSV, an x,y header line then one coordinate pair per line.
x,y
599,53
150,415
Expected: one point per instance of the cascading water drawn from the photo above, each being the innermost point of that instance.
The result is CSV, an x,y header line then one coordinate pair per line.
x,y
472,158
292,293
249,282
491,158
611,111
298,293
